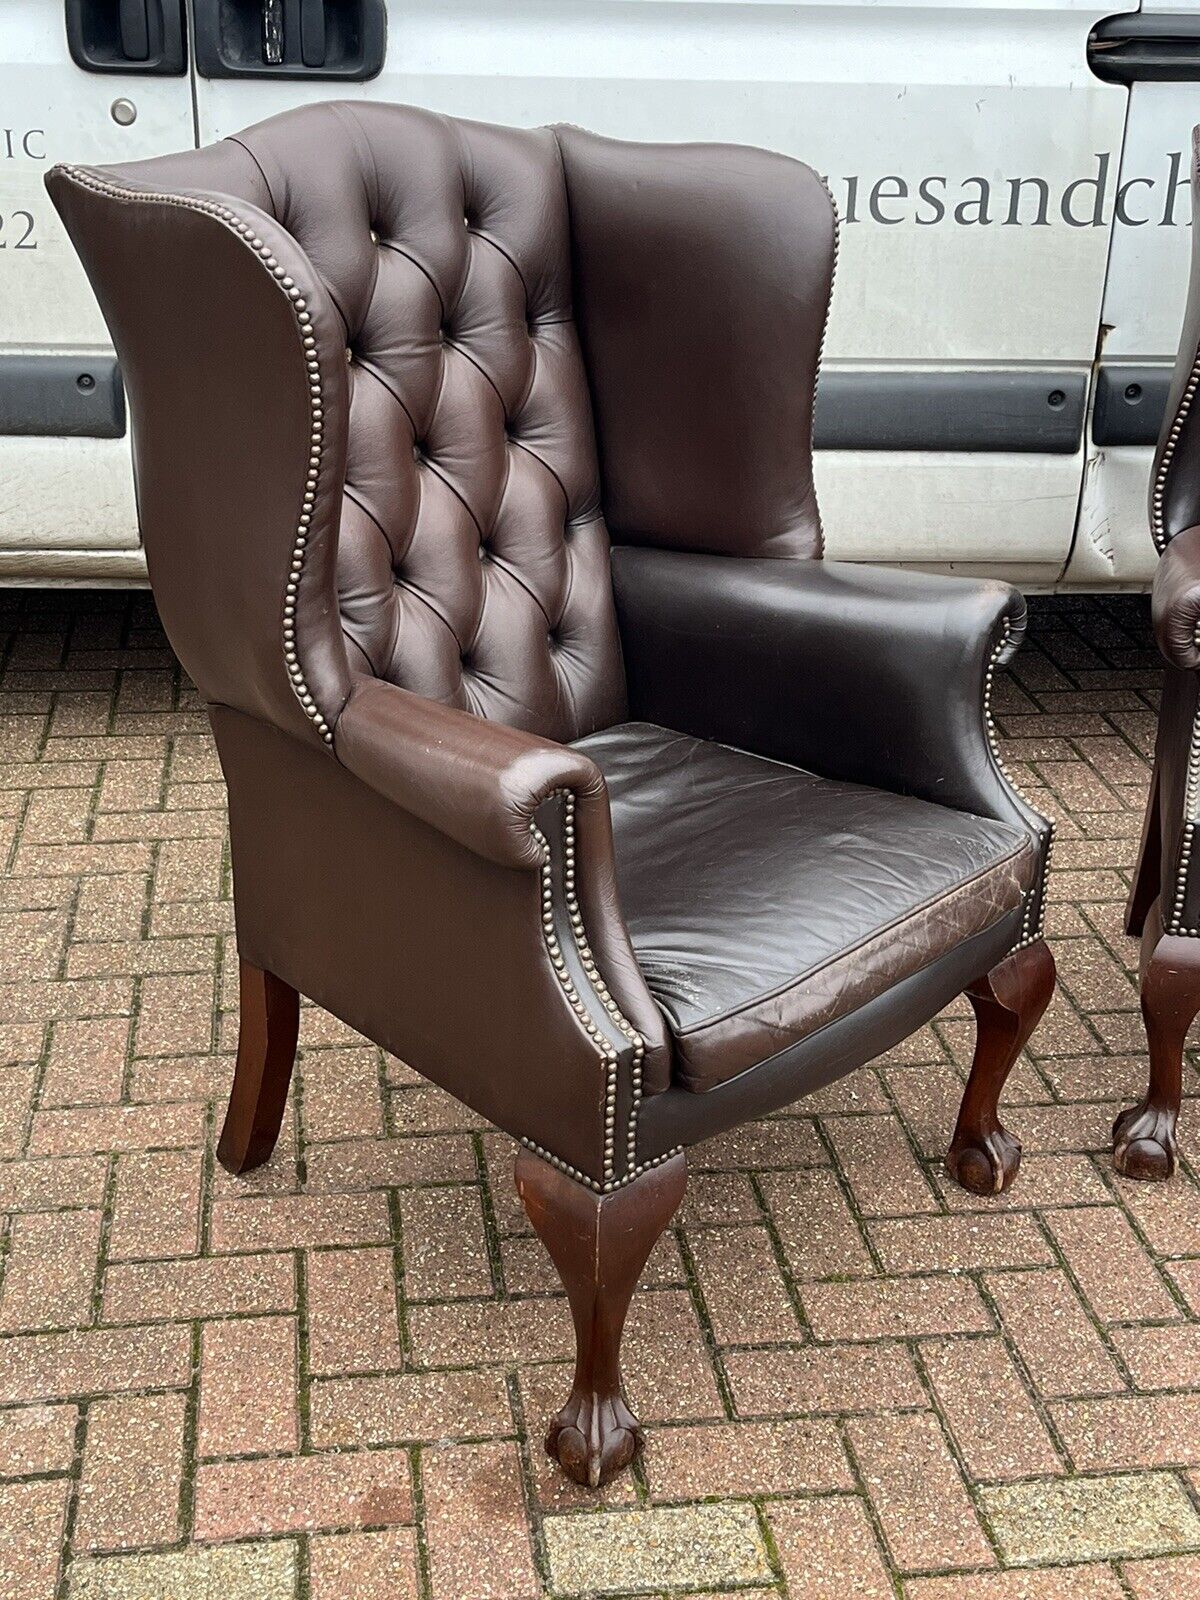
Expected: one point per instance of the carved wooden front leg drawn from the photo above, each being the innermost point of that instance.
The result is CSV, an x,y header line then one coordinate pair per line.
x,y
599,1243
1144,1136
270,1022
1008,1002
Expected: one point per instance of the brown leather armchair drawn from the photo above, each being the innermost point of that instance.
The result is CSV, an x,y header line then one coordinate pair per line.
x,y
474,471
1164,901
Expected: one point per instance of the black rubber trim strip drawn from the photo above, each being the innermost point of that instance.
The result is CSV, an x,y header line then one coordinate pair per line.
x,y
1130,402
60,395
1039,410
1146,47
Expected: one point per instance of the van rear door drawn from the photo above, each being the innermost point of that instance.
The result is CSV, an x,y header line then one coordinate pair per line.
x,y
1155,56
88,80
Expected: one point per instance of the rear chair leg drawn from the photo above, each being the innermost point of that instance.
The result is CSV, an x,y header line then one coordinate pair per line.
x,y
270,1021
1144,1136
599,1243
1008,1002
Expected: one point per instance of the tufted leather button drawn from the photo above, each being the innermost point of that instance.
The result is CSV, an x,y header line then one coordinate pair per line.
x,y
374,237
484,553
418,451
349,354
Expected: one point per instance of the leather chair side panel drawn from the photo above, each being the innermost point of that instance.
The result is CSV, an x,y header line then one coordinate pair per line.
x,y
702,284
237,392
431,950
1177,794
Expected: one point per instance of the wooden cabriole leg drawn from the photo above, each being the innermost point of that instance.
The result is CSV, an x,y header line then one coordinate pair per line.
x,y
1008,1002
599,1243
270,1021
1144,1136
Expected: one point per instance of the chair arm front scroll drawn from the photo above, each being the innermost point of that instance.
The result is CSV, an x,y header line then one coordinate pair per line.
x,y
481,782
866,674
1175,603
520,801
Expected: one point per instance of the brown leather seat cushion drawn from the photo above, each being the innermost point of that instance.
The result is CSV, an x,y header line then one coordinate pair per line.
x,y
764,902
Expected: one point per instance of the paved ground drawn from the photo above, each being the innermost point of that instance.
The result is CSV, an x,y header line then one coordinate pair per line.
x,y
329,1382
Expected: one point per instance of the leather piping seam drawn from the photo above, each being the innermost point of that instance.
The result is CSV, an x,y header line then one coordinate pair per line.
x,y
299,306
1030,932
781,991
1175,925
833,266
599,988
1158,493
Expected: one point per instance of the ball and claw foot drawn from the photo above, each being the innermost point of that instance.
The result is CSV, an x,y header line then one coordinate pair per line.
x,y
1008,1003
1144,1143
987,1166
593,1438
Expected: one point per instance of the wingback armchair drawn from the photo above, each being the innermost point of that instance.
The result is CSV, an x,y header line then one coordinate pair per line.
x,y
1164,901
474,472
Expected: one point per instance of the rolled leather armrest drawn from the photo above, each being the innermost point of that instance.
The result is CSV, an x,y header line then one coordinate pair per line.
x,y
866,674
478,781
1175,600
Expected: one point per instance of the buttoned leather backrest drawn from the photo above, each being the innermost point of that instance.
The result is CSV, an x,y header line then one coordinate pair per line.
x,y
472,560
471,554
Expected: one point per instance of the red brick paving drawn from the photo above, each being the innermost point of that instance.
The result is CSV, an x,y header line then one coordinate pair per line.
x,y
337,1371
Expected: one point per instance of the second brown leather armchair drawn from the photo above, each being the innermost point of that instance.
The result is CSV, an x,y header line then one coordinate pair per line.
x,y
474,471
1164,902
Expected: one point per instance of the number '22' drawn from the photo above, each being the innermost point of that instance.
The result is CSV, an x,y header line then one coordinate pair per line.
x,y
26,240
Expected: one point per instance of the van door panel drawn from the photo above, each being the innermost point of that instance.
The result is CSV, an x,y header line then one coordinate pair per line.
x,y
66,501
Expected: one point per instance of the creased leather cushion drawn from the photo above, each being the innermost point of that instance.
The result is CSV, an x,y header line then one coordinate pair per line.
x,y
763,901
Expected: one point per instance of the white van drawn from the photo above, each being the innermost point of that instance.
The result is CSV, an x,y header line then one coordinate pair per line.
x,y
1012,179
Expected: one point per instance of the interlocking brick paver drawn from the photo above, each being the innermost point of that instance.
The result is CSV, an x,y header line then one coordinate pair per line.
x,y
647,1549
288,1494
213,1286
1117,1278
476,1526
1073,1519
1058,1344
31,1522
50,1271
923,1506
132,1472
363,1566
37,1439
351,1304
156,1207
828,1550
337,1370
249,1386
998,1432
750,1458
895,1308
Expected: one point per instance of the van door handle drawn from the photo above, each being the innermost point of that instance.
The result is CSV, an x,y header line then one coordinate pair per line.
x,y
133,36
135,29
1146,47
344,39
312,32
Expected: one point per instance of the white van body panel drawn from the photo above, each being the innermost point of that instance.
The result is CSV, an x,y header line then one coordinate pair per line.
x,y
975,160
66,504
